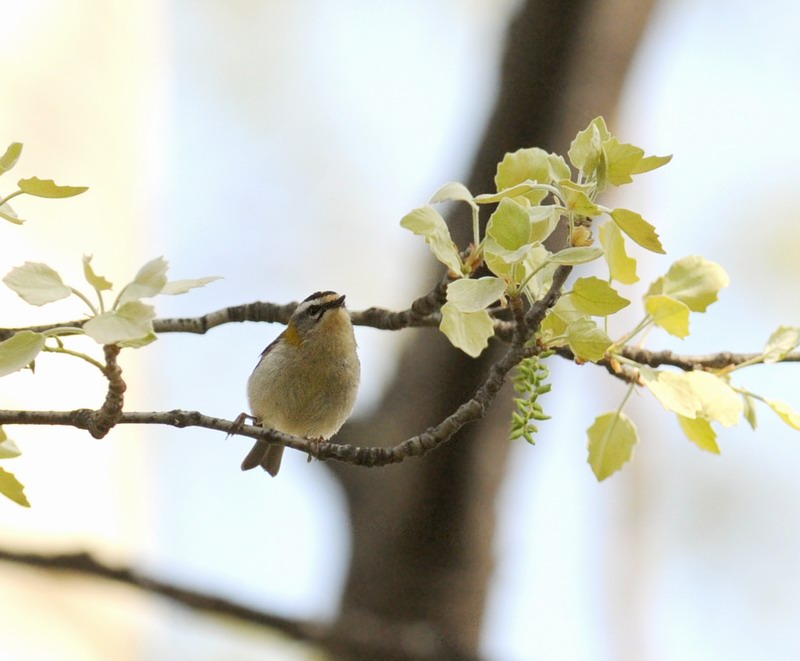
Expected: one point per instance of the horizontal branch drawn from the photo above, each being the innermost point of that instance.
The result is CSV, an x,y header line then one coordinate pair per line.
x,y
361,637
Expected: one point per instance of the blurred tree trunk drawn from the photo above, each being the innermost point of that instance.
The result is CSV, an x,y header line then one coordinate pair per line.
x,y
423,530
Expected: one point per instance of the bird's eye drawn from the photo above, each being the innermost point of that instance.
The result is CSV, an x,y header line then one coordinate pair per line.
x,y
315,310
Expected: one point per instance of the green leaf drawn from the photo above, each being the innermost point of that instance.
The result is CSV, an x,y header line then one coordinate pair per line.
x,y
621,160
620,267
575,256
428,223
611,441
469,331
510,225
638,229
182,286
10,158
472,295
669,313
96,281
48,188
586,149
12,488
785,412
576,199
36,283
19,351
524,165
130,321
673,391
649,163
10,215
596,297
695,281
586,340
543,221
139,342
149,281
782,342
517,191
700,432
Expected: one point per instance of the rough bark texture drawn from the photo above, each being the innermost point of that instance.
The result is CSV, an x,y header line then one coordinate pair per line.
x,y
423,530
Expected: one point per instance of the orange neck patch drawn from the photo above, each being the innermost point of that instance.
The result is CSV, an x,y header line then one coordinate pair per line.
x,y
291,336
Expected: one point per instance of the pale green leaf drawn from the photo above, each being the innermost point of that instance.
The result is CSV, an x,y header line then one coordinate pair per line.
x,y
516,192
532,164
537,266
36,283
469,331
96,281
785,412
586,149
782,342
700,432
19,351
12,488
509,225
8,449
587,341
10,215
130,321
575,256
558,167
638,229
621,267
454,191
428,223
543,221
9,159
612,438
149,281
695,281
139,342
472,295
669,313
48,188
694,394
182,286
596,297
749,411
621,160
649,163
576,199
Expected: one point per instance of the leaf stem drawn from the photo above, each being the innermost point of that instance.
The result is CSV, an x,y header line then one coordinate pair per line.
x,y
83,297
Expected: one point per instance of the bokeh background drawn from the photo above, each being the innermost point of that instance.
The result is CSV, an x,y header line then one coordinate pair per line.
x,y
278,145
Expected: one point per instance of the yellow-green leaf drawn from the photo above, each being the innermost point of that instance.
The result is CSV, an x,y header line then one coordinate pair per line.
x,y
669,313
649,163
96,281
749,410
587,341
48,188
638,229
19,351
576,199
455,191
509,225
12,488
9,159
700,432
611,441
621,160
469,331
672,390
621,267
8,449
694,280
175,287
428,223
586,149
148,281
531,164
785,412
36,283
596,297
574,256
7,213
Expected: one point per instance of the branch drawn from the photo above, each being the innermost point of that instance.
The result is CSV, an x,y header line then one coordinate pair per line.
x,y
364,635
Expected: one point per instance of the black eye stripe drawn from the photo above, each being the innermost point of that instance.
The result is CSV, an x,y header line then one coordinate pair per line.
x,y
315,310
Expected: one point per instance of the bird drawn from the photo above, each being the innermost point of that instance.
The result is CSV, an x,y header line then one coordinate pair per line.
x,y
306,381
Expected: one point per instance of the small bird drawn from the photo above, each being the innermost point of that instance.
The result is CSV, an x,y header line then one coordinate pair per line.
x,y
306,381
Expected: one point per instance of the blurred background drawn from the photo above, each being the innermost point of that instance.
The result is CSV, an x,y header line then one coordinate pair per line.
x,y
278,145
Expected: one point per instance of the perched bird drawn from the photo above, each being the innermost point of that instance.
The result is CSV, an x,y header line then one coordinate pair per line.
x,y
306,381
